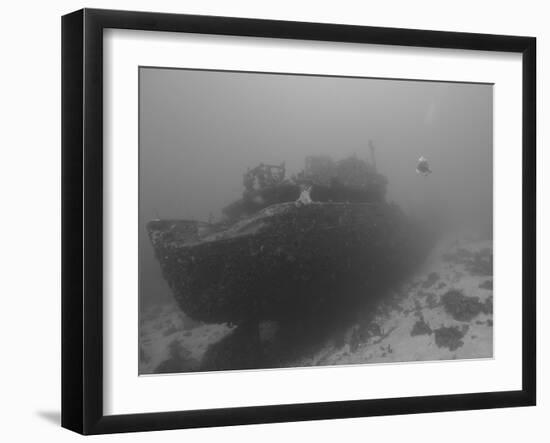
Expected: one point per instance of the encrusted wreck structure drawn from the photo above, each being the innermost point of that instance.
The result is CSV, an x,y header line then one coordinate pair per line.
x,y
284,257
350,180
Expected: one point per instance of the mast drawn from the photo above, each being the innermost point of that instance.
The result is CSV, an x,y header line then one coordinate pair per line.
x,y
372,154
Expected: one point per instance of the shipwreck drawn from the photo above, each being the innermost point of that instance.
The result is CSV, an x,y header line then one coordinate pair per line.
x,y
291,248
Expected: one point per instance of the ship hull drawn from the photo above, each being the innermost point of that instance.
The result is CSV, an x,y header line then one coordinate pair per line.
x,y
287,261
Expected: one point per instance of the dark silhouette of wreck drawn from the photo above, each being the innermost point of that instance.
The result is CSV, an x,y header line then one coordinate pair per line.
x,y
279,257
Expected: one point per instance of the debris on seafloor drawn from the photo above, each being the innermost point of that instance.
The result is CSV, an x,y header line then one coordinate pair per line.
x,y
450,337
421,328
432,300
462,307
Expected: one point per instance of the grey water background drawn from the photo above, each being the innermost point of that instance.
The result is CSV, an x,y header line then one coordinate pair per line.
x,y
200,130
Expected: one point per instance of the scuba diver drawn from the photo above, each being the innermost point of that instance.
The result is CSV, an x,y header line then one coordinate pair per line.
x,y
423,167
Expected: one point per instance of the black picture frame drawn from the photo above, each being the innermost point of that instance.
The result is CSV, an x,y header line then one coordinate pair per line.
x,y
82,220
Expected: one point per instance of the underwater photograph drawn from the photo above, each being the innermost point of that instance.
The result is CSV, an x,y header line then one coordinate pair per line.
x,y
290,220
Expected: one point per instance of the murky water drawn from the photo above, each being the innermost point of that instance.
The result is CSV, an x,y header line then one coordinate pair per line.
x,y
200,131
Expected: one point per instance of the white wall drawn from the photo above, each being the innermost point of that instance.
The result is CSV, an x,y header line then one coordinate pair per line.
x,y
30,221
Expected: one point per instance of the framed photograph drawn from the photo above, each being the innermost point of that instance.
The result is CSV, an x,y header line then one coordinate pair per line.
x,y
269,221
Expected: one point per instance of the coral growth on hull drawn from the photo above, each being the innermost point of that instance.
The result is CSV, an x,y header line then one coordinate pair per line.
x,y
285,261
